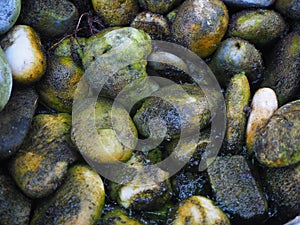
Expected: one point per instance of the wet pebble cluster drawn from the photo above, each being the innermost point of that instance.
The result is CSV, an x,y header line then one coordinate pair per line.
x,y
52,52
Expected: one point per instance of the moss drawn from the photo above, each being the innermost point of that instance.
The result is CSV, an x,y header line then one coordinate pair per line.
x,y
79,200
49,18
200,28
116,12
44,157
259,27
115,134
57,87
277,142
237,98
161,7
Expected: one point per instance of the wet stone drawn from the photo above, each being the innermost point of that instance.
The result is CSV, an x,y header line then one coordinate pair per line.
x,y
116,12
289,8
154,24
283,68
14,206
233,56
78,201
249,3
159,6
278,142
283,188
9,13
200,25
49,18
5,80
259,27
15,120
42,162
236,190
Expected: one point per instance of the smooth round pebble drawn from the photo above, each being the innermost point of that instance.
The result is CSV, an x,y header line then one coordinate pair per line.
x,y
9,13
249,3
49,18
154,24
200,25
159,6
116,12
23,49
5,80
278,142
15,120
264,104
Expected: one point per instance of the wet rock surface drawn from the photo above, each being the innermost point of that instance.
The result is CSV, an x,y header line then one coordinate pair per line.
x,y
283,188
250,3
10,11
15,120
200,25
49,18
278,142
5,80
42,162
15,208
284,62
236,190
78,201
81,43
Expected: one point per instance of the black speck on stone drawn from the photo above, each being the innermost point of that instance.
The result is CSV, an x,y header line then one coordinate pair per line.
x,y
15,120
236,191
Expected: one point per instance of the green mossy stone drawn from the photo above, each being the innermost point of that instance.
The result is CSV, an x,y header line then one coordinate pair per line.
x,y
198,210
104,132
9,13
278,142
115,59
116,12
200,25
79,200
118,216
43,159
237,98
159,6
57,87
49,18
15,120
14,206
145,190
5,80
72,48
259,27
